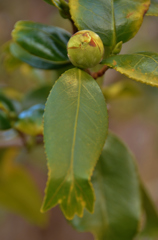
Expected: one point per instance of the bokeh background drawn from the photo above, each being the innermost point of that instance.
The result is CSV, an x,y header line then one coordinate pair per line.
x,y
133,115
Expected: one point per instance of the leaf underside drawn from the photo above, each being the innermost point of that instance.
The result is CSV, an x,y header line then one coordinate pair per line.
x,y
75,128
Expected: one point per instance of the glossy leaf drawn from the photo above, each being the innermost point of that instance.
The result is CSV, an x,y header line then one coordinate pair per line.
x,y
40,45
151,224
30,120
32,60
6,102
112,20
55,3
7,112
18,192
4,121
62,6
118,202
141,66
36,96
75,129
153,9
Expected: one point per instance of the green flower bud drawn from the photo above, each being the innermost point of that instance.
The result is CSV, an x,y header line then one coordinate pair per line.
x,y
85,49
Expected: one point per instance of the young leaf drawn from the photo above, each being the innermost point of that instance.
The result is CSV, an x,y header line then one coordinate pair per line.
x,y
75,129
151,225
40,45
18,192
113,21
118,203
153,9
141,66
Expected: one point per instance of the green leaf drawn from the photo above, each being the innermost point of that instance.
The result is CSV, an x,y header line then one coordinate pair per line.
x,y
112,20
141,66
30,120
9,61
40,45
18,192
75,129
55,3
7,112
36,96
118,202
62,6
151,224
6,102
4,121
121,89
153,9
11,93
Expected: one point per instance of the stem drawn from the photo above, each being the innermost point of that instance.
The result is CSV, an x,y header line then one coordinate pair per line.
x,y
100,73
74,28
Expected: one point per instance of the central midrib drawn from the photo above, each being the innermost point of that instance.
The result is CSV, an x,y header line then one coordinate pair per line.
x,y
71,171
113,24
75,124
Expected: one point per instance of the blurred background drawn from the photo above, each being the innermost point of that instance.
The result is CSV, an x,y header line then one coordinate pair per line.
x,y
133,116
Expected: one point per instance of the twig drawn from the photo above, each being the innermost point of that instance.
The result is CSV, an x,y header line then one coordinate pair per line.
x,y
100,73
74,28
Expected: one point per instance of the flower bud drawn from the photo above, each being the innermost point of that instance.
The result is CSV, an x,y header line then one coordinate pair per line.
x,y
85,49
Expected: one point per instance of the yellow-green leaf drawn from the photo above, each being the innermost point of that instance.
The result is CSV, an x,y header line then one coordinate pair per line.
x,y
153,9
118,200
18,192
141,66
112,20
121,89
75,129
151,215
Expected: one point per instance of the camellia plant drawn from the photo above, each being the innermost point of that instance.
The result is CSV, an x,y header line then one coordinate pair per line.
x,y
91,174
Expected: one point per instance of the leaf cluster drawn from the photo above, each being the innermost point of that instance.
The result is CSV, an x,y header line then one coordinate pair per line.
x,y
92,174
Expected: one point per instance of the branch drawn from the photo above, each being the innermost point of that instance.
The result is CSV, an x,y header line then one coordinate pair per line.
x,y
100,73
